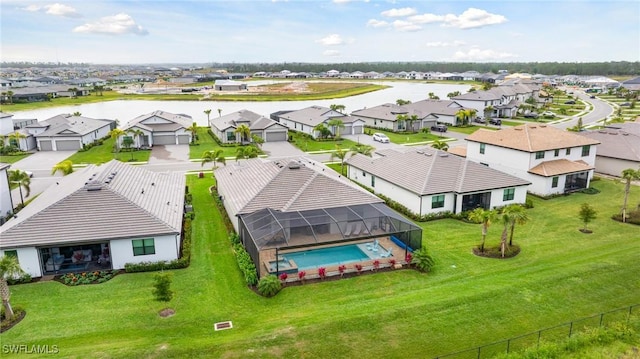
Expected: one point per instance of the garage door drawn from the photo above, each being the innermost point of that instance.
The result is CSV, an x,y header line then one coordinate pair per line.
x,y
46,146
183,139
357,130
164,140
68,145
276,136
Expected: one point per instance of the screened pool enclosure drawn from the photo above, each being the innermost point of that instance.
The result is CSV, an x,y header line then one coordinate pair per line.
x,y
267,231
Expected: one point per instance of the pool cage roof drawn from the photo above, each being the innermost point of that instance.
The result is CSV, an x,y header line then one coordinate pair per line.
x,y
271,229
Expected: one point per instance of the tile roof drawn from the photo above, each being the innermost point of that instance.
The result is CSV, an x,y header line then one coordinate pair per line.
x,y
69,125
233,120
458,151
287,185
114,200
180,121
422,109
617,143
531,138
559,167
311,116
427,171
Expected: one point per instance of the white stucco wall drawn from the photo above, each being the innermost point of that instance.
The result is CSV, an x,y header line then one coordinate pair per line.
x,y
28,259
6,203
614,166
167,248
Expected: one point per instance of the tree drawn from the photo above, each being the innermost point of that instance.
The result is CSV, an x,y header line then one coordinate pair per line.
x,y
257,140
401,102
244,131
423,261
9,268
401,120
194,131
213,156
410,121
219,112
440,145
336,124
98,89
65,167
465,115
115,135
628,175
517,215
587,214
137,135
127,142
162,287
488,112
506,221
207,112
484,217
362,149
453,94
322,130
338,108
77,114
15,137
22,179
74,92
10,96
246,152
433,96
341,154
269,286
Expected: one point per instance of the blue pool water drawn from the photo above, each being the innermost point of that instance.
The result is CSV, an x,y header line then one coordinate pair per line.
x,y
322,257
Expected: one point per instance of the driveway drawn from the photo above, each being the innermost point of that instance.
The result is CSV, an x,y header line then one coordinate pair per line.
x,y
169,154
41,163
281,149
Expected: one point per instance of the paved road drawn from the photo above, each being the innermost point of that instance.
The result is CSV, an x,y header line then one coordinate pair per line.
x,y
601,110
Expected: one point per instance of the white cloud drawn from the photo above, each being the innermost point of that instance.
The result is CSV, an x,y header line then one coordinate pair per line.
x,y
114,25
61,10
347,1
331,53
377,23
426,18
476,54
406,26
405,11
32,8
455,43
472,18
331,40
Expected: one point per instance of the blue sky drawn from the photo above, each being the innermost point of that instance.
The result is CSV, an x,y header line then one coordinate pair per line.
x,y
327,31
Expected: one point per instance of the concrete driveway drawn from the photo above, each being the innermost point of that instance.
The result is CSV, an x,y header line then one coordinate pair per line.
x,y
169,154
281,149
41,163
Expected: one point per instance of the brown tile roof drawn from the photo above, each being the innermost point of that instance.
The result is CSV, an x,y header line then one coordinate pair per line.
x,y
531,138
559,167
458,151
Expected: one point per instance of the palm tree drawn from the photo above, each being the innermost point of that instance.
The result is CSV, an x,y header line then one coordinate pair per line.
x,y
628,175
98,89
323,130
207,112
336,124
66,167
74,92
341,154
453,94
16,137
9,267
213,156
257,140
488,111
246,152
219,112
244,131
401,102
506,221
432,96
22,179
337,108
401,119
440,145
137,134
362,149
410,121
517,215
77,114
115,135
483,216
10,96
194,131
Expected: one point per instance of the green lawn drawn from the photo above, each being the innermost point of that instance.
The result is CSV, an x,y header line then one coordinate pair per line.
x,y
104,153
13,159
407,138
307,144
207,143
560,275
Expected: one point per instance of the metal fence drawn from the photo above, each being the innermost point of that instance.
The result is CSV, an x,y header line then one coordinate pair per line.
x,y
556,333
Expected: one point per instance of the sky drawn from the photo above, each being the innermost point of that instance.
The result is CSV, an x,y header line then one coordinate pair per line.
x,y
318,31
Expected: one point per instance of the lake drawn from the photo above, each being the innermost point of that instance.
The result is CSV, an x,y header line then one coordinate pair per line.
x,y
126,110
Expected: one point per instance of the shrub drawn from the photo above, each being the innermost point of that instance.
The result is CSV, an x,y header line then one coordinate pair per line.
x,y
246,265
322,272
269,286
162,287
422,259
283,277
25,278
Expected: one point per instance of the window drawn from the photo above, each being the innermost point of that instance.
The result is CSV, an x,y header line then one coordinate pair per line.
x,y
482,147
568,151
554,182
509,194
585,150
143,247
539,155
364,174
231,136
373,181
556,153
437,201
13,254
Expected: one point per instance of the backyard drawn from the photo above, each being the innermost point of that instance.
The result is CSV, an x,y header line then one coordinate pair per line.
x,y
560,275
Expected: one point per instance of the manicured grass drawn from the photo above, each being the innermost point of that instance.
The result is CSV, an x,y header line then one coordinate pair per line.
x,y
470,129
207,143
560,275
104,153
307,144
409,137
13,159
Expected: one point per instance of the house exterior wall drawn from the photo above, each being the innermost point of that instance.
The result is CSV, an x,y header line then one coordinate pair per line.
x,y
614,166
167,248
401,195
6,125
28,259
6,203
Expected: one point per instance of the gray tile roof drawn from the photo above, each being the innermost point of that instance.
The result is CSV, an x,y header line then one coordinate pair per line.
x,y
422,109
180,121
69,125
311,116
131,202
426,171
617,143
233,120
257,184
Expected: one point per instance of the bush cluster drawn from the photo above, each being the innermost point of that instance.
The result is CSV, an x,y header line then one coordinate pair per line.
x,y
87,277
633,217
88,146
227,221
246,264
217,140
11,150
269,286
25,278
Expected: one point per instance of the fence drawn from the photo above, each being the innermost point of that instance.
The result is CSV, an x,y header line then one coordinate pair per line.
x,y
556,333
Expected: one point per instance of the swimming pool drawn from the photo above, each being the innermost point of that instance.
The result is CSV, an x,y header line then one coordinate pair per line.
x,y
329,256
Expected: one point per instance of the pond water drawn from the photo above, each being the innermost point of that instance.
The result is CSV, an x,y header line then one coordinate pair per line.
x,y
125,110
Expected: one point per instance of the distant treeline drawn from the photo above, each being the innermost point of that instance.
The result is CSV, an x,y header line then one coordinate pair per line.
x,y
613,68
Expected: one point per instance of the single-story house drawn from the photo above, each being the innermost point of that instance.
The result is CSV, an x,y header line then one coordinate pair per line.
x,y
555,161
307,119
283,209
160,128
427,181
426,112
229,85
224,127
68,132
99,217
619,147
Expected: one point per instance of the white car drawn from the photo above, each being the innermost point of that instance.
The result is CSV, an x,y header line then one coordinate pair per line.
x,y
380,137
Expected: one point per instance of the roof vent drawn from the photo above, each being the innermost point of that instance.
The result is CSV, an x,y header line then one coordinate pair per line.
x,y
93,186
444,155
294,166
428,154
420,151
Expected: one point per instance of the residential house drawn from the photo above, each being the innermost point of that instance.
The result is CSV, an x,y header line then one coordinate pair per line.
x,y
553,160
500,101
307,119
68,132
160,128
428,181
224,127
229,85
284,206
6,202
427,112
632,84
619,147
99,217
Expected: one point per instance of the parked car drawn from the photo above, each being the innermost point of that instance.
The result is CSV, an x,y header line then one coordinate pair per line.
x,y
495,121
439,128
548,114
570,102
592,96
531,115
380,137
479,120
625,104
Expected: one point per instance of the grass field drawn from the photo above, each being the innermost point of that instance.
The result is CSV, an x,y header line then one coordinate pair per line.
x,y
104,153
307,144
560,275
207,143
13,159
406,138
